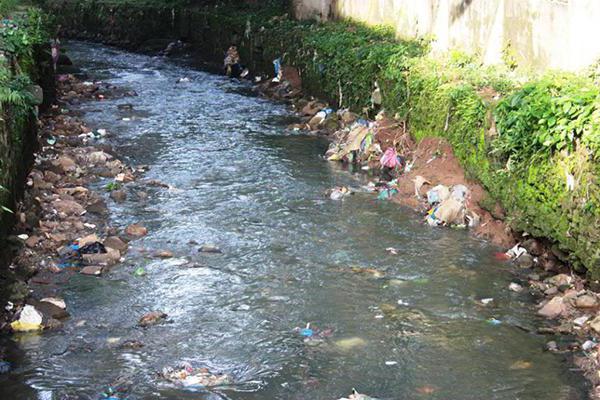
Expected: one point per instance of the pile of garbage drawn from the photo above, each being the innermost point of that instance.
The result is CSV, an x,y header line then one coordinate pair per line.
x,y
189,377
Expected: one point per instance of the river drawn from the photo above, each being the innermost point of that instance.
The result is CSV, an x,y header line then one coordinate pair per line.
x,y
243,182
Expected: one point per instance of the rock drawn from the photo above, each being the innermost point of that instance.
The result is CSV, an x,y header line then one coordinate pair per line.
x,y
586,301
98,158
68,207
32,241
553,308
560,280
30,319
64,164
52,323
111,257
119,196
60,303
51,310
152,318
89,239
131,344
94,270
115,243
312,108
209,248
136,230
525,261
515,287
533,247
292,75
164,254
595,324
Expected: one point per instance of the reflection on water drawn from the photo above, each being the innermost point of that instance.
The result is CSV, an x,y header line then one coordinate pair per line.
x,y
244,183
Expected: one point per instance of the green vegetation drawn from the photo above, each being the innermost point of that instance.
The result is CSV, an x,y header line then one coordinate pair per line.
x,y
22,35
533,142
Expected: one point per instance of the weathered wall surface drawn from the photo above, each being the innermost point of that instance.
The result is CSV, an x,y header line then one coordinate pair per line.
x,y
539,33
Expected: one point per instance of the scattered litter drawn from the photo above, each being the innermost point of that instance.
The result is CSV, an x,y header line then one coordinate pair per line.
x,y
387,193
419,183
581,320
516,252
30,319
23,236
140,271
494,321
9,306
486,301
589,345
438,194
339,192
515,287
390,159
357,396
307,332
5,367
402,302
390,363
392,251
187,376
278,70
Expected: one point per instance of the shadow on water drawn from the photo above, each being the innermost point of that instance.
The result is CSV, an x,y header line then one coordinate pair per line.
x,y
240,180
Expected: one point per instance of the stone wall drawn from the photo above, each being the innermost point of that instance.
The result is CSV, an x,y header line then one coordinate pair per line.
x,y
537,33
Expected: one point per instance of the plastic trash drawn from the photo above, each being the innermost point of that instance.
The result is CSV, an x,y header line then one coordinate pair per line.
x,y
5,367
357,396
516,252
387,194
494,321
139,272
390,158
459,192
93,248
51,140
307,332
438,194
338,193
188,376
449,212
278,70
30,319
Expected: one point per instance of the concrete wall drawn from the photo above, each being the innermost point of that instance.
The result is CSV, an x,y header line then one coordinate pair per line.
x,y
540,33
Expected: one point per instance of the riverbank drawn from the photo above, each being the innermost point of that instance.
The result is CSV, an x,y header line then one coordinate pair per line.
x,y
26,89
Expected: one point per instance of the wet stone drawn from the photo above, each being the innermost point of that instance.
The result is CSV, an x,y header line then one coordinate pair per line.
x,y
136,230
93,270
152,318
116,243
119,196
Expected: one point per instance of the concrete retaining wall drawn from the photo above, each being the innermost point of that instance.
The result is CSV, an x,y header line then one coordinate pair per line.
x,y
537,33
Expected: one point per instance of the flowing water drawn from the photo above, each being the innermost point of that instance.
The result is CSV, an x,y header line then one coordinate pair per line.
x,y
243,182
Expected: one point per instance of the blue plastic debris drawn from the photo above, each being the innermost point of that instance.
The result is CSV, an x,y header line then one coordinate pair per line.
x,y
494,321
387,194
5,367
